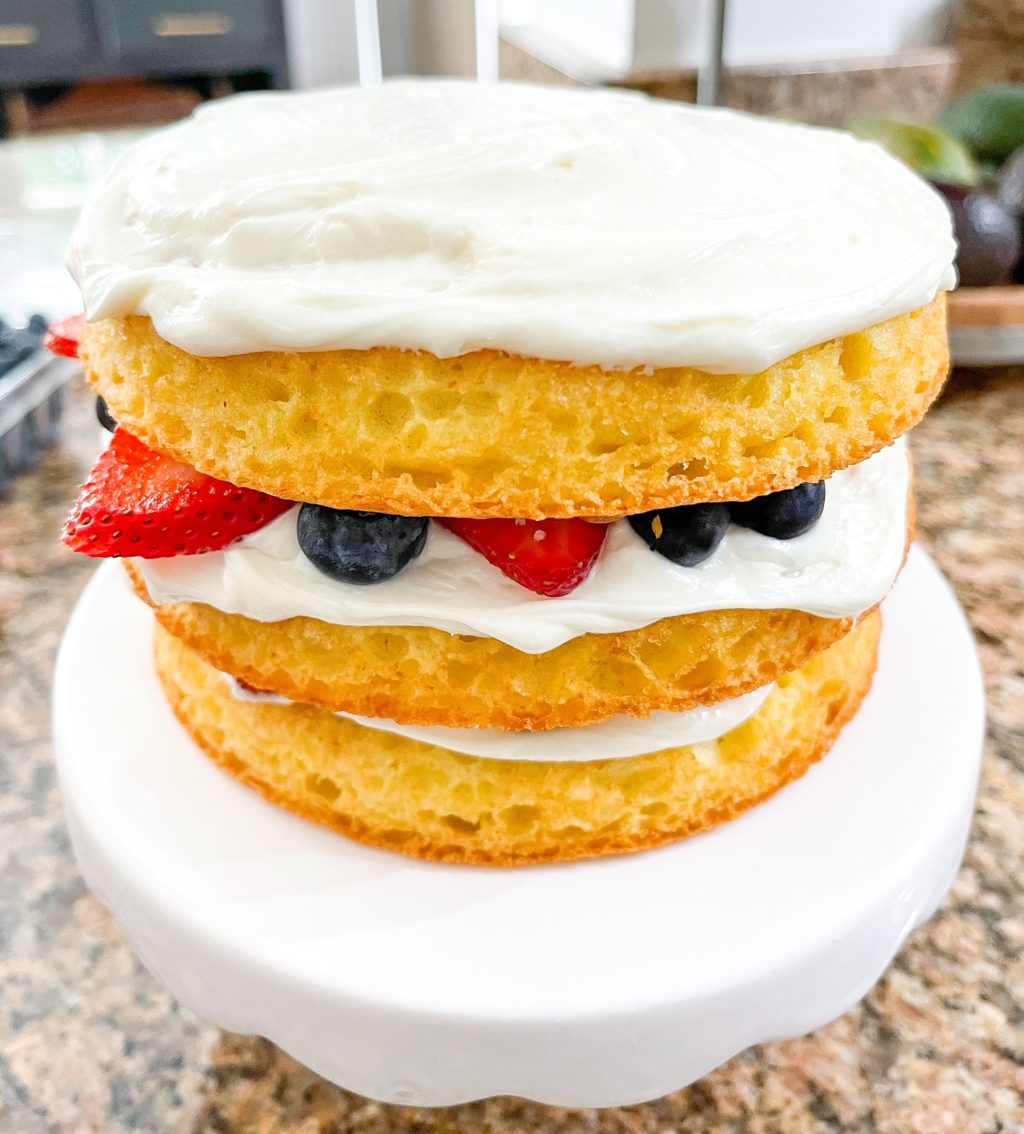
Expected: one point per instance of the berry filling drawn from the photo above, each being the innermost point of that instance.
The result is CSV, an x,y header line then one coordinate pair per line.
x,y
782,515
64,336
689,534
359,547
104,416
550,557
139,502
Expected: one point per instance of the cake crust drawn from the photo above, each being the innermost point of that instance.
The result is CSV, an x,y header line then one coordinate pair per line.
x,y
427,802
491,435
418,675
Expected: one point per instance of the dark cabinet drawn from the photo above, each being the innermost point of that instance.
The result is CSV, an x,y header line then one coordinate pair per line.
x,y
167,34
42,41
65,41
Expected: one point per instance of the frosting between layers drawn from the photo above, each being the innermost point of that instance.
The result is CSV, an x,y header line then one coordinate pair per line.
x,y
843,566
596,227
613,739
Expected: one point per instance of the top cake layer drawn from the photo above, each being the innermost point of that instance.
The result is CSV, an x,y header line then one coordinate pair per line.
x,y
592,227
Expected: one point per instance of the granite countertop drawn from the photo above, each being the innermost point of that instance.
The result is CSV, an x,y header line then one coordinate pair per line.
x,y
90,1042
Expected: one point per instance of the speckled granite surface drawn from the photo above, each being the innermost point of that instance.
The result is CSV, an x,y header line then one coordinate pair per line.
x,y
915,85
989,39
89,1042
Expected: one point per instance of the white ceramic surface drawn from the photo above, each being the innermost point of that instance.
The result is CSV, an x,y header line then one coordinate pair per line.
x,y
594,984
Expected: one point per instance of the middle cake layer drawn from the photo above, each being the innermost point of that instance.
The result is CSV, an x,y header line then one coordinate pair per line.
x,y
422,676
642,635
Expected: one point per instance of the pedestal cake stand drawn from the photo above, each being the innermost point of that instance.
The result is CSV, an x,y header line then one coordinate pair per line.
x,y
594,984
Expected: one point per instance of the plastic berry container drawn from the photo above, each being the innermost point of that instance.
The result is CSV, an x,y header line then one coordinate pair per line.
x,y
32,398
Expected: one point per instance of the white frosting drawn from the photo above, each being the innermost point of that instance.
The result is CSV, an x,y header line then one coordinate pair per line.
x,y
589,226
613,739
843,566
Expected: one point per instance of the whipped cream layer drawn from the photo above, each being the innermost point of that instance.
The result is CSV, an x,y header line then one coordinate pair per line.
x,y
843,566
596,227
613,739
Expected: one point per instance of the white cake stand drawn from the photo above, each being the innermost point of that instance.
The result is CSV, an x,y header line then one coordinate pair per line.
x,y
595,984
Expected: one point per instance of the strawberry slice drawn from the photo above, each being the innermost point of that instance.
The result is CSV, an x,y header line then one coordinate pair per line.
x,y
551,557
65,336
139,502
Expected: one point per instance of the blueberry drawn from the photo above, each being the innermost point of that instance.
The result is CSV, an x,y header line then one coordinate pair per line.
x,y
359,547
9,358
38,325
16,346
687,535
782,515
104,416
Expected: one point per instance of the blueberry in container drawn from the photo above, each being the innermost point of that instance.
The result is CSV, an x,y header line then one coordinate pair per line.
x,y
32,397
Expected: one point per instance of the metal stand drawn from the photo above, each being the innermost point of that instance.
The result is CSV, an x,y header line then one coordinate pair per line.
x,y
709,77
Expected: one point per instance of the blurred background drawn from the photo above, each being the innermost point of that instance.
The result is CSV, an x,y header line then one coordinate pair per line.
x,y
934,80
80,78
91,1042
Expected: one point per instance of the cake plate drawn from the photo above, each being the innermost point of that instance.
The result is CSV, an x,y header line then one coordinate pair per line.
x,y
594,984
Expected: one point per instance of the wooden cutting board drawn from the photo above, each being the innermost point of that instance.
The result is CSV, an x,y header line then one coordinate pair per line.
x,y
987,306
986,325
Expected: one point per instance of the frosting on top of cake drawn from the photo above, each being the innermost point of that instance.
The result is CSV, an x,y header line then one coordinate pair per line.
x,y
592,226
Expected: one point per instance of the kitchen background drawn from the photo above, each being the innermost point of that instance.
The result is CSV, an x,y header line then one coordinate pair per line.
x,y
88,1040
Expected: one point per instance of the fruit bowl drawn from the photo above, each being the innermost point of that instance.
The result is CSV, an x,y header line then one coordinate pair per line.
x,y
973,155
986,325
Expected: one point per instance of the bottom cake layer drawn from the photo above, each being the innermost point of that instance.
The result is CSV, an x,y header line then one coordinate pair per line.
x,y
425,801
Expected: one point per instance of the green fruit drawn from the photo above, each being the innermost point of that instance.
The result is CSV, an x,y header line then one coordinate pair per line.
x,y
928,150
989,122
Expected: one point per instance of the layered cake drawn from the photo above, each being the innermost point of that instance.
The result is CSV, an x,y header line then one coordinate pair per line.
x,y
515,473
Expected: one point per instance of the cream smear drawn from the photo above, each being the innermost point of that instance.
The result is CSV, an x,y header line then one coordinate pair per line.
x,y
613,739
843,566
595,227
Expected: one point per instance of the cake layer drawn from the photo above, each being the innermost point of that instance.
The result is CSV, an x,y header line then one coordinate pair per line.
x,y
611,739
593,227
845,564
565,677
426,801
492,434
422,676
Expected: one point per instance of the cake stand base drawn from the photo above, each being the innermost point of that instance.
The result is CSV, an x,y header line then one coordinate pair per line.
x,y
595,984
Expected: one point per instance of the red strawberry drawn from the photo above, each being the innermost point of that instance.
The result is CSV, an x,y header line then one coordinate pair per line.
x,y
139,502
551,557
64,336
